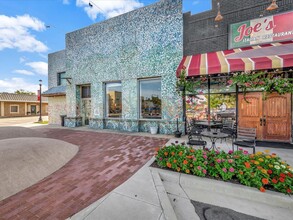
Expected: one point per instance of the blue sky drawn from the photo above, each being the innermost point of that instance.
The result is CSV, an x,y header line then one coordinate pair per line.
x,y
30,29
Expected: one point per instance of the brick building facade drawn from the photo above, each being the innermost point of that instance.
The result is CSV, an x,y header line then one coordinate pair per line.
x,y
200,34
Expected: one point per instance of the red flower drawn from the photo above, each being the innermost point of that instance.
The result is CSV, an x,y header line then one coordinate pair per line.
x,y
270,172
247,165
282,175
290,175
169,165
282,179
185,162
262,189
265,181
275,181
289,190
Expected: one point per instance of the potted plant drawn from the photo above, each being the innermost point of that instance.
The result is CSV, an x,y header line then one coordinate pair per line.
x,y
154,129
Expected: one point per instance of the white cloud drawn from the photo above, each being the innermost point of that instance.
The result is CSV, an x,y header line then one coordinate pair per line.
x,y
15,33
195,2
40,68
107,8
13,84
24,72
66,2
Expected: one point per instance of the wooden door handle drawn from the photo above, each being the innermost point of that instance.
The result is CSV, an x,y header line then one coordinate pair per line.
x,y
260,121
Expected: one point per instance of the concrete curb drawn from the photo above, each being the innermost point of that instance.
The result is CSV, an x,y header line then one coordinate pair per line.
x,y
166,205
240,198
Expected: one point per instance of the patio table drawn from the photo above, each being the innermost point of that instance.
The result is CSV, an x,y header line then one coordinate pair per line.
x,y
210,124
214,136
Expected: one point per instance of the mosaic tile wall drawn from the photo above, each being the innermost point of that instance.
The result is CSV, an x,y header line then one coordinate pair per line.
x,y
56,107
56,64
143,43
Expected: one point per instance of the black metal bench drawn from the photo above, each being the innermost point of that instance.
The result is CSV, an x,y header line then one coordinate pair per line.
x,y
246,137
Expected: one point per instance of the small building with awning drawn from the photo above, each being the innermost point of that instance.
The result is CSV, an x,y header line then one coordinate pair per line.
x,y
249,41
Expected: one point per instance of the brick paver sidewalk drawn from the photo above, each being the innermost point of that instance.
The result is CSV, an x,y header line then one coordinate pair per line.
x,y
104,161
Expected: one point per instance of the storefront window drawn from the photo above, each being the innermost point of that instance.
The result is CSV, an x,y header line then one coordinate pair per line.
x,y
223,107
220,85
150,98
196,107
113,100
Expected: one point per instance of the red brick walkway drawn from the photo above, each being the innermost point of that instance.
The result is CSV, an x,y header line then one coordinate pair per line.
x,y
104,161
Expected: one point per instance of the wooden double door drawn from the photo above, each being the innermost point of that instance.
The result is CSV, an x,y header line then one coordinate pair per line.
x,y
271,116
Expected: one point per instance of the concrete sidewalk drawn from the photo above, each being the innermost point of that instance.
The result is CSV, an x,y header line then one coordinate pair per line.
x,y
152,194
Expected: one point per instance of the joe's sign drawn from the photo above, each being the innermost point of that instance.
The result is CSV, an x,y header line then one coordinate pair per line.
x,y
263,30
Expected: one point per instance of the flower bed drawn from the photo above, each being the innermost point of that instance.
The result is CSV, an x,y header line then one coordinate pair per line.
x,y
260,170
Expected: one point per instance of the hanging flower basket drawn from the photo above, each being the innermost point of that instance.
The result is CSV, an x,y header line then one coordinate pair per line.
x,y
185,84
263,81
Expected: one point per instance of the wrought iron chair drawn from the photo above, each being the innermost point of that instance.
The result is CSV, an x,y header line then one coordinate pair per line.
x,y
195,138
246,137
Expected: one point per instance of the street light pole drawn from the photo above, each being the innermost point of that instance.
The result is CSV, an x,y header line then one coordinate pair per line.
x,y
40,118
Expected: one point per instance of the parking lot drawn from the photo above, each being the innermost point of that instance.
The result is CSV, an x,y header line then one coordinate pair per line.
x,y
21,121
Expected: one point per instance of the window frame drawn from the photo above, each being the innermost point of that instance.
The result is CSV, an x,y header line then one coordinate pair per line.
x,y
106,109
139,98
81,91
14,106
59,78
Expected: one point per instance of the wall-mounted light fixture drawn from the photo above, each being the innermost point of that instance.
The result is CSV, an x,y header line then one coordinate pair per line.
x,y
273,6
219,17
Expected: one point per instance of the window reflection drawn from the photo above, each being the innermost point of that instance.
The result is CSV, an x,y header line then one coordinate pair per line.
x,y
150,98
223,107
113,100
196,107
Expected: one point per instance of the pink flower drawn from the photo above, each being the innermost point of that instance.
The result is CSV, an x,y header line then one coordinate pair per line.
x,y
230,161
194,159
230,82
223,160
199,167
204,171
205,163
241,149
218,160
205,156
230,152
224,169
231,170
245,152
161,158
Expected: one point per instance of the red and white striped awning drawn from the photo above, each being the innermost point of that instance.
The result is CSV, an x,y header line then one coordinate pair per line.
x,y
268,56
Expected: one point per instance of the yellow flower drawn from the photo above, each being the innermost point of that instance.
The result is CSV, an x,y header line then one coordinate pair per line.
x,y
264,171
260,159
258,153
268,157
282,162
271,166
267,151
256,162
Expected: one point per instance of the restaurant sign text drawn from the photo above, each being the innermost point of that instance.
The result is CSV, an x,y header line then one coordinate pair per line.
x,y
269,29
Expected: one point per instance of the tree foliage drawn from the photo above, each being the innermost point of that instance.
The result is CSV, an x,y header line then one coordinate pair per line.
x,y
22,91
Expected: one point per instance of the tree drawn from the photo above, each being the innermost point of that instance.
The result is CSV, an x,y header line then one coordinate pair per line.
x,y
22,91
